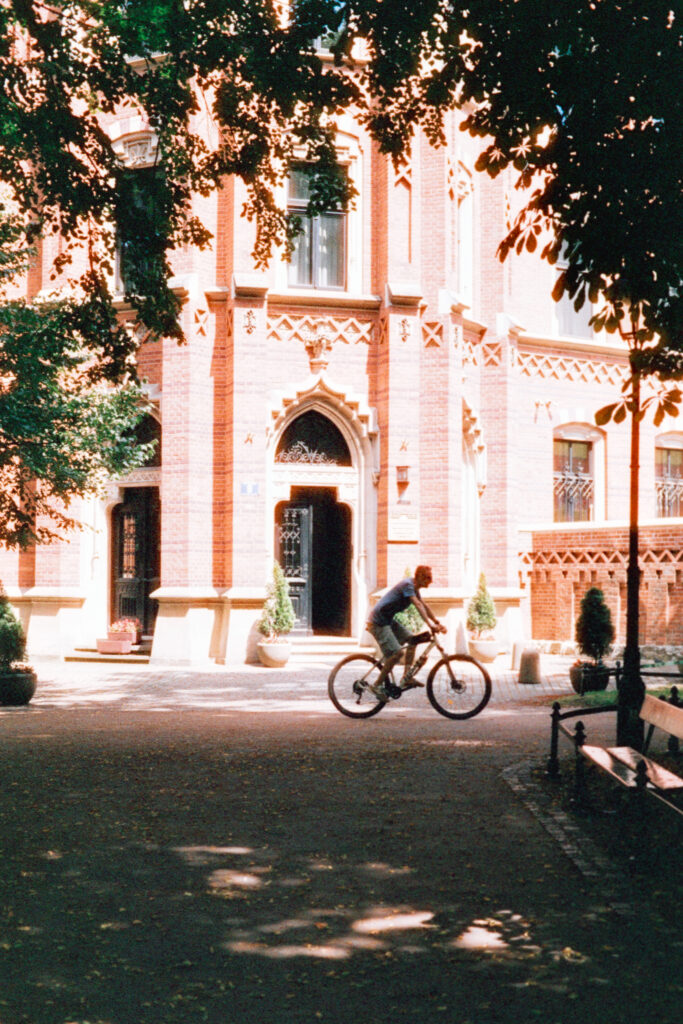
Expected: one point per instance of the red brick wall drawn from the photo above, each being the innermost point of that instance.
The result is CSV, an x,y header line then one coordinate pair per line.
x,y
564,563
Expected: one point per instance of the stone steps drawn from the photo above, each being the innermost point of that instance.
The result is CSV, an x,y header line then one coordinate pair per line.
x,y
325,648
138,656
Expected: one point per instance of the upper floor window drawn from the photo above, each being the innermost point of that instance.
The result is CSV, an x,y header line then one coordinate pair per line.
x,y
573,484
572,323
669,481
319,257
465,247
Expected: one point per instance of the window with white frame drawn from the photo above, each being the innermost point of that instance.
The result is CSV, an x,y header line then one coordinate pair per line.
x,y
465,235
669,475
572,323
319,257
573,480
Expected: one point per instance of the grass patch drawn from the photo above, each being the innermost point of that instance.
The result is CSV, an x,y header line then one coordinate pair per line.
x,y
604,698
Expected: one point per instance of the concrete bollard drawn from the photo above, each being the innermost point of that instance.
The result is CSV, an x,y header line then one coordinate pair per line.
x,y
517,648
530,667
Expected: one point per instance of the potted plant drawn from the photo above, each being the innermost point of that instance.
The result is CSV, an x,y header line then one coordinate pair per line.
x,y
120,638
481,620
277,620
17,680
126,629
594,636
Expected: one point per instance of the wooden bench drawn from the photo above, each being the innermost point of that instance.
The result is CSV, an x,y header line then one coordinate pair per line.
x,y
630,768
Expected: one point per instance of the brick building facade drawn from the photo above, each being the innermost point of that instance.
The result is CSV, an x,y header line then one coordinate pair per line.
x,y
394,395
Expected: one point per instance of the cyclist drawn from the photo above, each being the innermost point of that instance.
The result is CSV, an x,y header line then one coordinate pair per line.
x,y
391,636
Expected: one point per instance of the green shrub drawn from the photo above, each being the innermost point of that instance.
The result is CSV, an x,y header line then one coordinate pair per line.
x,y
594,629
12,639
481,613
277,617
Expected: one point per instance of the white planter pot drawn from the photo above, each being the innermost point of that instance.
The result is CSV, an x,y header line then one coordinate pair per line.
x,y
274,653
483,650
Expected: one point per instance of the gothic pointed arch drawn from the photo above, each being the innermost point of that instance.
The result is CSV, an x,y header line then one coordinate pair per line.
x,y
350,414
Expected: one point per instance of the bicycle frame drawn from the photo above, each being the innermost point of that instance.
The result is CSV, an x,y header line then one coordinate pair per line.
x,y
419,662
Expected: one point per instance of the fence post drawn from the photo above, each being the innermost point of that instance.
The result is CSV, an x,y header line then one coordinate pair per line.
x,y
579,776
553,763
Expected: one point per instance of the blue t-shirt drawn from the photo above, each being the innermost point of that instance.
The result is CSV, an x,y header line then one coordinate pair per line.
x,y
394,601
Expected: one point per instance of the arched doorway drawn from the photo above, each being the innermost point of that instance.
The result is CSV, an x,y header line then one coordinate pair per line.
x,y
313,528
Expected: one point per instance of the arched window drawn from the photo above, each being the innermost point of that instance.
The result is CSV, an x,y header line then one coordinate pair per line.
x,y
313,438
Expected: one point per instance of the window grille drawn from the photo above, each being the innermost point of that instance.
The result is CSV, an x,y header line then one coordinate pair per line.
x,y
669,481
573,485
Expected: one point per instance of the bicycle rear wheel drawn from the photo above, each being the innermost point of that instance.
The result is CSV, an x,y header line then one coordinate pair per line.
x,y
349,686
458,686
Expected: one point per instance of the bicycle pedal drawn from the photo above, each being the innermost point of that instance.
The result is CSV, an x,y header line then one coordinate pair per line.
x,y
392,690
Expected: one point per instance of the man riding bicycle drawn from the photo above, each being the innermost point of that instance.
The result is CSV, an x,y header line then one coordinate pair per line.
x,y
391,636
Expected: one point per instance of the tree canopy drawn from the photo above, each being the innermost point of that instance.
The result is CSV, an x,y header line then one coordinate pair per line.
x,y
581,99
63,429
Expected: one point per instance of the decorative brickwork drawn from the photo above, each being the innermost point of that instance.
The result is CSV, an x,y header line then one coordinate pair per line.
x,y
560,566
432,334
347,330
570,368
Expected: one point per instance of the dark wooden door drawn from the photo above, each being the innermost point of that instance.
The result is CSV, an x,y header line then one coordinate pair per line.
x,y
293,543
135,560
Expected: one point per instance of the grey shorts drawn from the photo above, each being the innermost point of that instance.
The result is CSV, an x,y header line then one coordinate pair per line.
x,y
390,638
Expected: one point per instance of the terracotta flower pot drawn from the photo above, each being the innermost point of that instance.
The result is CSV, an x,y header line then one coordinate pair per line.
x,y
115,646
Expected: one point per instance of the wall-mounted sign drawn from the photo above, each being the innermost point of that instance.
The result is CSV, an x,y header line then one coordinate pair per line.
x,y
404,527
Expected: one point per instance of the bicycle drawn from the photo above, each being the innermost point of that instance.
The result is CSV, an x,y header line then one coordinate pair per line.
x,y
457,686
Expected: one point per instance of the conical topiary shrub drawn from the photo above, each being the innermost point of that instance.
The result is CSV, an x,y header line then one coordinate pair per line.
x,y
277,619
594,636
481,613
594,629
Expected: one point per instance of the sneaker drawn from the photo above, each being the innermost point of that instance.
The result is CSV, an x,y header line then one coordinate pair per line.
x,y
379,692
409,684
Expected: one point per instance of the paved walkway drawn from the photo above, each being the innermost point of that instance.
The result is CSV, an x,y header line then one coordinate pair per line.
x,y
250,687
223,846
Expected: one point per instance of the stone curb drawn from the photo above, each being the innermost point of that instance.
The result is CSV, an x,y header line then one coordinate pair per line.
x,y
592,864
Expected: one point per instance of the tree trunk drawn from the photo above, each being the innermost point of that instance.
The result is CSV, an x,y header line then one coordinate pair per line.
x,y
632,690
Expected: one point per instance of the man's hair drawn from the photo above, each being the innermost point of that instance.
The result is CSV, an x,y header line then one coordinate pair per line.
x,y
422,569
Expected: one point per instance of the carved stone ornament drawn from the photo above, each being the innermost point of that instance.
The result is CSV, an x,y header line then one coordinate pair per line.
x,y
318,346
250,321
139,153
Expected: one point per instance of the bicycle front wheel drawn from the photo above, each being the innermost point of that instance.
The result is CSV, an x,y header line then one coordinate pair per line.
x,y
349,686
458,686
